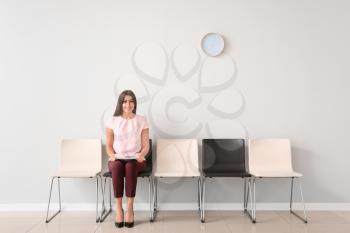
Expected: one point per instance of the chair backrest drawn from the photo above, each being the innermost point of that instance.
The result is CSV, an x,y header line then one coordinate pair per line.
x,y
177,158
149,161
81,155
270,155
223,156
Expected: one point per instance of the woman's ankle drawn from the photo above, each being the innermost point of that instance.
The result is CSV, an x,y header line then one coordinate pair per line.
x,y
129,216
119,210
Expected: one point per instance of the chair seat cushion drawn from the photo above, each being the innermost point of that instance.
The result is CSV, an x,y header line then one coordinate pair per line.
x,y
276,174
225,168
144,173
107,174
226,174
76,173
141,174
177,174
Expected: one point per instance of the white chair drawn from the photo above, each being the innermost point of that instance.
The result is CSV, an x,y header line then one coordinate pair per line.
x,y
176,158
272,158
79,158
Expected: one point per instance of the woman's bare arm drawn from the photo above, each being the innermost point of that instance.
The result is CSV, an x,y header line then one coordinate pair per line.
x,y
109,144
144,144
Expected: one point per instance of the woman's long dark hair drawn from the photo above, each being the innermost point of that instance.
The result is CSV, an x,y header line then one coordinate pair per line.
x,y
119,108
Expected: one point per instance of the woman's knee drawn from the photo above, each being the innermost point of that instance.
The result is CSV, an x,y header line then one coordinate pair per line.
x,y
115,165
141,166
131,167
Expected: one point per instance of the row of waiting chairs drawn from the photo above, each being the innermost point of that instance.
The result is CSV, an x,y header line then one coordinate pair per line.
x,y
270,158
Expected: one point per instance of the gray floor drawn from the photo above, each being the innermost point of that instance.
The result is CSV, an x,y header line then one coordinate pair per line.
x,y
180,222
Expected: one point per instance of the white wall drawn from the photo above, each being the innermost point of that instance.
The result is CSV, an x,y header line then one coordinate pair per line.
x,y
60,60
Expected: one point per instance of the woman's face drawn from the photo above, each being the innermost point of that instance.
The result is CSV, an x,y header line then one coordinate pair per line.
x,y
128,104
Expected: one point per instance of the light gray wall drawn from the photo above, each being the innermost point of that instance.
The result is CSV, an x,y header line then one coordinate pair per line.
x,y
61,61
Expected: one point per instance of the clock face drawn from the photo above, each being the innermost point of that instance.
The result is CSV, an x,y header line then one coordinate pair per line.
x,y
213,44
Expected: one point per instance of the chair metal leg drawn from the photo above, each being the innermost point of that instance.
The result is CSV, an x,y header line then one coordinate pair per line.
x,y
199,208
203,201
153,199
103,193
302,199
247,180
244,194
156,196
103,188
251,195
106,212
254,201
248,191
59,191
199,197
59,199
150,197
247,194
155,188
97,217
110,194
199,194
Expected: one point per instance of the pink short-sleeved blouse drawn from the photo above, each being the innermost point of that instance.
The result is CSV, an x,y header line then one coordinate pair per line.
x,y
127,134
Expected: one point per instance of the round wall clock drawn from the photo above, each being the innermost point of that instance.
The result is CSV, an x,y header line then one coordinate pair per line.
x,y
213,44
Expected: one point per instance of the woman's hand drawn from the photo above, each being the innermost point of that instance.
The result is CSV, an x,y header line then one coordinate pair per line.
x,y
140,158
112,158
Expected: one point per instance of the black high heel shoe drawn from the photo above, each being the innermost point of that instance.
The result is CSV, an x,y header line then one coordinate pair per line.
x,y
120,224
130,224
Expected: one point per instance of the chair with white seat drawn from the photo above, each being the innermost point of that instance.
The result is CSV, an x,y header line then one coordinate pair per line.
x,y
79,158
176,158
272,158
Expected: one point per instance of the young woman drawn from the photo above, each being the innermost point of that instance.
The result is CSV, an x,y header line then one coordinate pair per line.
x,y
127,145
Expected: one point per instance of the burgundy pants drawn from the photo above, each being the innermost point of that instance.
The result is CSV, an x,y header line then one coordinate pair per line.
x,y
128,169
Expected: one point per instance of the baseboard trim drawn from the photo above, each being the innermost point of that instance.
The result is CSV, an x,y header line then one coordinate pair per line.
x,y
178,206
